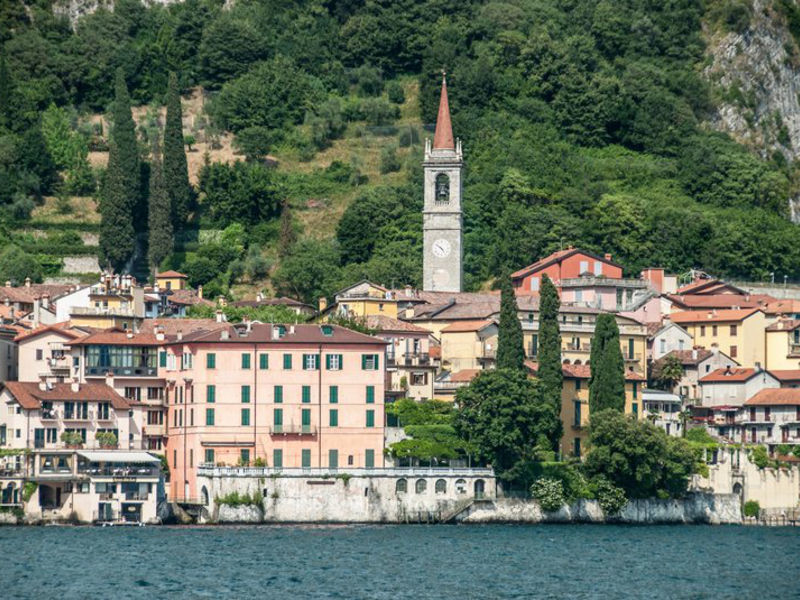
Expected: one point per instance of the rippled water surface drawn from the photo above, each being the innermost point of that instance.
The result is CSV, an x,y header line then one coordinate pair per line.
x,y
492,561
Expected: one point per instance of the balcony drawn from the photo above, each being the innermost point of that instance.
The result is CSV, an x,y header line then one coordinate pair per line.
x,y
122,371
592,281
93,311
293,429
118,471
155,430
632,357
571,347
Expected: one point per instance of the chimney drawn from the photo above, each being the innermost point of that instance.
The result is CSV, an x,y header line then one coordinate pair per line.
x,y
224,335
43,386
220,316
110,379
323,304
75,386
8,283
159,334
694,353
291,329
180,335
408,291
46,300
259,297
409,313
7,301
27,282
607,256
200,292
129,335
248,325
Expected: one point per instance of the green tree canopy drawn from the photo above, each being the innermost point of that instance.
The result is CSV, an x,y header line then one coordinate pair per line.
x,y
159,214
607,381
550,374
510,344
176,171
16,266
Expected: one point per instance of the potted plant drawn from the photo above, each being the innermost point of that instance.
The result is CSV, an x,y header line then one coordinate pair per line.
x,y
106,439
72,439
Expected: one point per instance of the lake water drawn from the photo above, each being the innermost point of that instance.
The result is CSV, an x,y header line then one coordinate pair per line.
x,y
490,561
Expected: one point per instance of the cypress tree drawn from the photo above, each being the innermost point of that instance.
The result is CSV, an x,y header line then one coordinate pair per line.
x,y
159,217
116,226
607,382
287,237
176,171
6,94
510,344
120,194
551,377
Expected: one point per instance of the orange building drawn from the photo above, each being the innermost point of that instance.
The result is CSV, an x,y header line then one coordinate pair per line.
x,y
564,264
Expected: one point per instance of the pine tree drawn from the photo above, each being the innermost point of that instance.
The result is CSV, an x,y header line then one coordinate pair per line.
x,y
510,344
550,375
159,217
176,172
607,382
120,194
288,236
116,226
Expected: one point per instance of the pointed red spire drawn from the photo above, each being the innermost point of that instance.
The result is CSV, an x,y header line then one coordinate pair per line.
x,y
443,138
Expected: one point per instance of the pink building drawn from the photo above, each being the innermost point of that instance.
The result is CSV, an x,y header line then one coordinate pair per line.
x,y
294,396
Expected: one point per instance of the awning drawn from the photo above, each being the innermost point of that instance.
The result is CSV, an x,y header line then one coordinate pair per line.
x,y
110,456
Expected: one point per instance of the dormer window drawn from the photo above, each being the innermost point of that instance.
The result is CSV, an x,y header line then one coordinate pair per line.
x,y
327,330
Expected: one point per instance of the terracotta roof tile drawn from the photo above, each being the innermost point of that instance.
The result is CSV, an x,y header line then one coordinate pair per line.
x,y
65,328
783,375
557,257
732,375
716,316
443,136
784,325
467,326
30,396
384,323
171,275
303,334
187,298
775,397
464,376
700,301
689,357
783,307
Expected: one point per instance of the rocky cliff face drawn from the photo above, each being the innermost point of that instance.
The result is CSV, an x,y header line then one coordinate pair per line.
x,y
75,9
755,75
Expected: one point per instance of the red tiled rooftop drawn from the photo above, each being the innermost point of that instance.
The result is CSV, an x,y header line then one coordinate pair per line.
x,y
558,256
65,328
712,316
386,323
775,397
171,275
30,395
467,326
786,374
464,376
733,375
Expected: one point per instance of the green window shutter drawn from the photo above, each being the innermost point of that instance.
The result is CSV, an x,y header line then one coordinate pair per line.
x,y
328,362
635,409
634,389
341,362
369,458
211,394
363,362
305,455
210,455
245,361
333,459
244,455
162,359
370,418
377,363
245,416
287,361
370,394
333,420
277,416
211,361
209,419
306,394
278,394
334,394
277,458
306,416
263,361
245,394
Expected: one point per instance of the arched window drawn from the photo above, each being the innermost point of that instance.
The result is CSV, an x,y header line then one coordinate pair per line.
x,y
401,487
442,189
421,486
441,486
566,361
461,486
480,488
577,362
204,496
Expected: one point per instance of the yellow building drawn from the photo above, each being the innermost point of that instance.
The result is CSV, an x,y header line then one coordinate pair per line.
x,y
114,302
783,345
740,333
575,404
171,280
469,345
361,300
576,325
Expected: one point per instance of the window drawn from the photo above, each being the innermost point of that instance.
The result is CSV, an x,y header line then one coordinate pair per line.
x,y
420,486
211,361
635,409
370,418
733,330
416,379
333,417
277,458
369,458
333,362
401,487
287,361
245,416
534,284
103,410
278,394
162,359
577,385
442,189
327,330
174,458
576,447
245,361
577,419
209,456
305,458
619,299
441,486
578,295
245,394
277,420
209,416
680,344
584,267
635,387
630,348
155,393
714,330
369,362
263,361
702,329
39,354
333,459
244,456
211,394
734,351
662,346
191,459
333,394
306,394
370,394
310,362
306,420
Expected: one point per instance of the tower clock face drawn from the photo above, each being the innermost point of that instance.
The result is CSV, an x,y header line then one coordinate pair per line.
x,y
441,248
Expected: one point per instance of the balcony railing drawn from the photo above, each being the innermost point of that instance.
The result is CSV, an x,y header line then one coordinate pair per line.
x,y
571,347
122,371
119,471
794,349
293,430
209,470
632,357
592,281
154,430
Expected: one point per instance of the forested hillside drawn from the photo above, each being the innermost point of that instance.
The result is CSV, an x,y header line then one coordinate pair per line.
x,y
583,122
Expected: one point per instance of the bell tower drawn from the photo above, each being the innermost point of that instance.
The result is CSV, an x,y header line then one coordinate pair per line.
x,y
442,213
